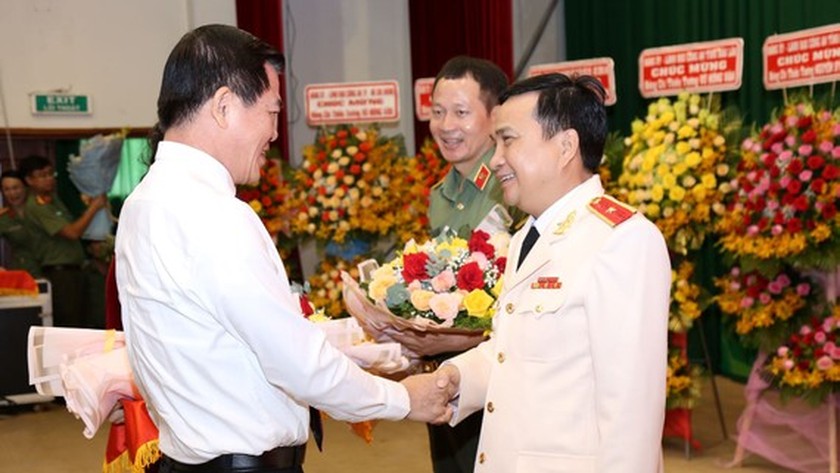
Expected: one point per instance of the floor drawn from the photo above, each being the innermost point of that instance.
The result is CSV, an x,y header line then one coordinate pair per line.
x,y
46,438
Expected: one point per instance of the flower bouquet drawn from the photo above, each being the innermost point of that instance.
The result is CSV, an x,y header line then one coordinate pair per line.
x,y
93,172
435,297
764,306
343,185
687,299
675,170
785,204
808,364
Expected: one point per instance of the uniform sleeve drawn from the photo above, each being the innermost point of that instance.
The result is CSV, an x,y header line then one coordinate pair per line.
x,y
474,366
627,309
246,288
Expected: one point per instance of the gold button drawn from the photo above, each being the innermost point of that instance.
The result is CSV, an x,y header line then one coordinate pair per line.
x,y
481,457
501,357
538,309
459,206
490,407
509,307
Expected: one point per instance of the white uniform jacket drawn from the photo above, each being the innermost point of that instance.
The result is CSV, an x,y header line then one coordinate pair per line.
x,y
573,378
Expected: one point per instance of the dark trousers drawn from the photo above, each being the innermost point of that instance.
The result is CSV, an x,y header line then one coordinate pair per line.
x,y
167,466
69,289
454,448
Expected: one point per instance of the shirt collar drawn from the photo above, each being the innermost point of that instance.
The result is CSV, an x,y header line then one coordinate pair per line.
x,y
195,162
452,187
564,205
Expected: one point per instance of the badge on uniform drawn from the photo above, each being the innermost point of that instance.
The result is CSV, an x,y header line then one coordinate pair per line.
x,y
482,176
610,210
547,283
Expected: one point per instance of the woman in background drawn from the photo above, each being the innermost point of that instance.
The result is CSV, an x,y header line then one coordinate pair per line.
x,y
22,241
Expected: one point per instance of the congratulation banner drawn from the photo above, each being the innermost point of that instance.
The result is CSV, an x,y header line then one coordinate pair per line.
x,y
352,102
803,57
711,66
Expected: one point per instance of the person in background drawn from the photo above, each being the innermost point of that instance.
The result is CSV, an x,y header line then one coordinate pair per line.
x,y
217,343
23,243
577,359
58,235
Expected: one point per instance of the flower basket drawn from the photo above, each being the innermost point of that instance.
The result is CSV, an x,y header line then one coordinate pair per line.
x,y
420,336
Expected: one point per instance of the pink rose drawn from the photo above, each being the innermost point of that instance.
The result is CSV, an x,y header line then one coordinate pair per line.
x,y
776,230
774,287
443,281
479,258
788,365
826,147
784,280
765,298
835,353
803,289
782,351
805,330
446,306
806,175
747,302
824,363
819,337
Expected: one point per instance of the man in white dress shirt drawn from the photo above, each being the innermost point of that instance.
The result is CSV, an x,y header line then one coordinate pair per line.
x,y
220,351
576,362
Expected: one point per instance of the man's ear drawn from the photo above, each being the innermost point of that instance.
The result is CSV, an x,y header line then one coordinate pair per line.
x,y
567,143
220,105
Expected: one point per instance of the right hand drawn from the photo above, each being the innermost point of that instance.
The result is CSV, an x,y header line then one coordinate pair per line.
x,y
430,394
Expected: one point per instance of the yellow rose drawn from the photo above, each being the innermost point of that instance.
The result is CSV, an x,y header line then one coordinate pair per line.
x,y
420,299
652,210
686,131
693,158
477,302
676,193
657,193
709,181
669,181
497,289
378,288
683,147
256,205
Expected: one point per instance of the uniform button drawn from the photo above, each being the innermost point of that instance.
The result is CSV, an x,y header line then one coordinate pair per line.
x,y
538,309
490,407
501,357
509,307
481,457
459,206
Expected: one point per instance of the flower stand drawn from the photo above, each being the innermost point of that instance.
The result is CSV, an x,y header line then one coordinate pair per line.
x,y
793,434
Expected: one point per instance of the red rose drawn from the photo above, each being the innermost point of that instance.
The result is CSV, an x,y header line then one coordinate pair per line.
x,y
794,225
478,243
470,277
818,186
794,186
414,267
769,159
801,203
830,172
809,136
829,211
815,162
795,166
501,263
804,122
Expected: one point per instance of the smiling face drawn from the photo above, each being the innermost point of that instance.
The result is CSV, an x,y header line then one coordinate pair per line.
x,y
252,129
14,192
460,123
533,171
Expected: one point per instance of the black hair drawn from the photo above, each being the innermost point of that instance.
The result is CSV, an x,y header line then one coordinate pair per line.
x,y
205,59
491,79
12,173
32,163
564,102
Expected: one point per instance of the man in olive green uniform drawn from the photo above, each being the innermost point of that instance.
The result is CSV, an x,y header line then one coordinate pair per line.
x,y
464,94
61,253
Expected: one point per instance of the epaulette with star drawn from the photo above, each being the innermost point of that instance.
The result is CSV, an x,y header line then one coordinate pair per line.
x,y
610,210
482,176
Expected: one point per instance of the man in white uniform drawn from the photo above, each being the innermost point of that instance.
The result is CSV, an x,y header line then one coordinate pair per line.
x,y
220,351
573,378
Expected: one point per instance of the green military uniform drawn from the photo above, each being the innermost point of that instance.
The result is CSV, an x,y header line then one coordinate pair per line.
x,y
61,259
463,204
23,242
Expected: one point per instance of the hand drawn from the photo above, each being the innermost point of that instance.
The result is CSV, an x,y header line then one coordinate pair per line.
x,y
430,394
98,202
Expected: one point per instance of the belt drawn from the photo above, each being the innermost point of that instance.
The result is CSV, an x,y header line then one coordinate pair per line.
x,y
279,458
61,267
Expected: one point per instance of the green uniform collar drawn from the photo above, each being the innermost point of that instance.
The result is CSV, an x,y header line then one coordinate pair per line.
x,y
455,186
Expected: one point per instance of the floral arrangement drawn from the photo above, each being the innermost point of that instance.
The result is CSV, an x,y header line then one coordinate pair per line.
x,y
762,306
450,281
675,170
411,185
344,185
785,206
686,303
808,364
682,381
325,285
266,197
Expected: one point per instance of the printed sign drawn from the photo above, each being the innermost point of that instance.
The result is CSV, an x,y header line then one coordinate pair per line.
x,y
804,57
423,98
60,104
711,66
352,102
602,68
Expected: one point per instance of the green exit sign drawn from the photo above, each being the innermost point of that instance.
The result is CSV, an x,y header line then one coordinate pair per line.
x,y
61,104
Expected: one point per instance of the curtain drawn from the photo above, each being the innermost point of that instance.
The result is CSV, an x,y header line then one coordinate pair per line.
x,y
134,162
621,29
264,19
441,29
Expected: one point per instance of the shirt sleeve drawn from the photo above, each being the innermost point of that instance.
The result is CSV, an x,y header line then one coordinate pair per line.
x,y
248,293
627,309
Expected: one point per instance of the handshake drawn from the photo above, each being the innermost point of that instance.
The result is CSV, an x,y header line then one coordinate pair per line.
x,y
430,394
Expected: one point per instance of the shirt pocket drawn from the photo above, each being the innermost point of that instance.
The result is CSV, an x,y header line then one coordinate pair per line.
x,y
546,324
